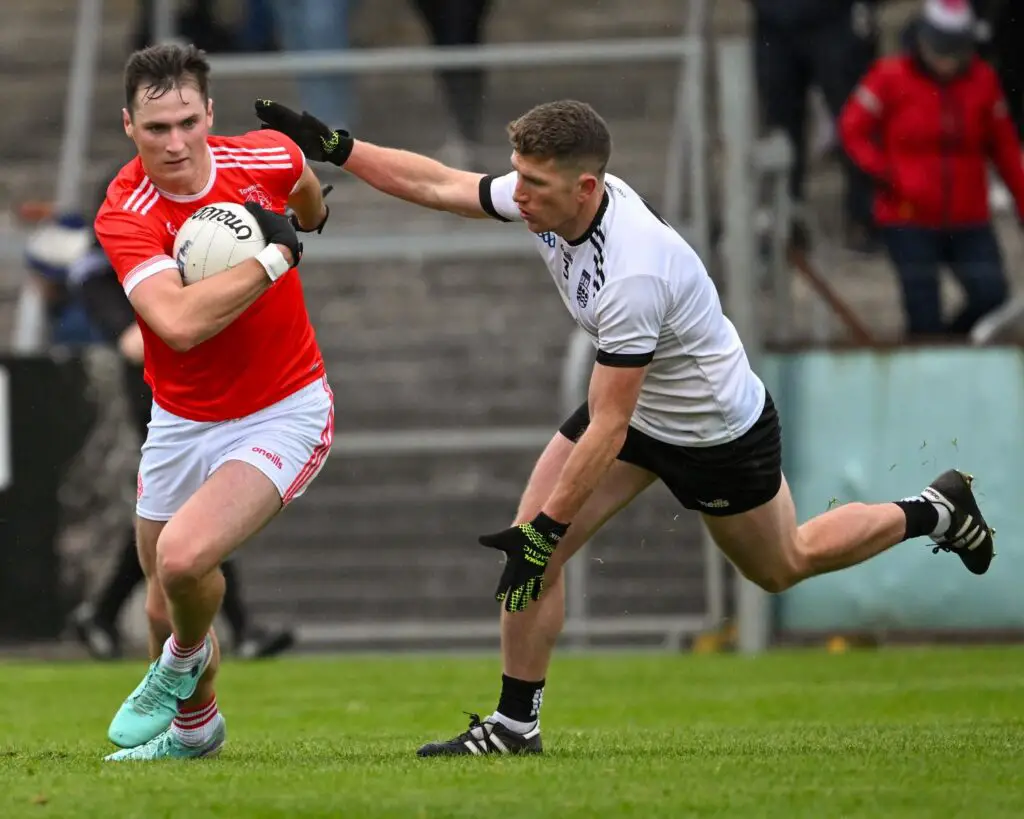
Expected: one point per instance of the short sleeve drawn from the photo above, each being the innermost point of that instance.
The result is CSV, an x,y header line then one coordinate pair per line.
x,y
277,160
630,313
496,197
134,248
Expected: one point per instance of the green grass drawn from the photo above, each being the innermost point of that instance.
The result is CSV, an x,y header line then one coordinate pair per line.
x,y
907,733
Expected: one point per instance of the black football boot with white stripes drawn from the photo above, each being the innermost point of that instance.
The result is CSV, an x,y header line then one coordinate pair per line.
x,y
485,737
968,535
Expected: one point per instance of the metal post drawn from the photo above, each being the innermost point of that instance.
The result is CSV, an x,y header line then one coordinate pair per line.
x,y
688,134
78,105
164,16
700,185
576,369
774,158
29,332
736,101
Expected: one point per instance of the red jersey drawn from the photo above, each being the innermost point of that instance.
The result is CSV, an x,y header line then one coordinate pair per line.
x,y
270,350
929,143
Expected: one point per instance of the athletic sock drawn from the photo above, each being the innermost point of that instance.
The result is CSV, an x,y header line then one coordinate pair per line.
x,y
924,517
519,704
181,658
195,726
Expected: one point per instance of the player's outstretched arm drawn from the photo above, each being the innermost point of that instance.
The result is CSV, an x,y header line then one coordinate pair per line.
x,y
412,177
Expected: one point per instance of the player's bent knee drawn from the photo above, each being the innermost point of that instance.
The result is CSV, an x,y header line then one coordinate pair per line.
x,y
180,563
773,583
789,567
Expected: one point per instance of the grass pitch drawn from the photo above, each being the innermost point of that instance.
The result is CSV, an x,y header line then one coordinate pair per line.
x,y
894,733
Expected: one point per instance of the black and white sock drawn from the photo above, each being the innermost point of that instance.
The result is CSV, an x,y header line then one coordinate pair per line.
x,y
519,704
925,516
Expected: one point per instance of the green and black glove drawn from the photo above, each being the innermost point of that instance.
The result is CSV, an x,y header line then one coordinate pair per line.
x,y
528,548
277,229
317,141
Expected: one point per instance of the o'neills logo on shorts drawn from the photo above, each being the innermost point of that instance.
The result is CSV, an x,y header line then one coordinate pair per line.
x,y
270,456
211,213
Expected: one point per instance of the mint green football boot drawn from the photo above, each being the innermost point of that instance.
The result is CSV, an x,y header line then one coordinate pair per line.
x,y
151,707
168,746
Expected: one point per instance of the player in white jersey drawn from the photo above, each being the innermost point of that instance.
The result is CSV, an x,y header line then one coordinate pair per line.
x,y
671,397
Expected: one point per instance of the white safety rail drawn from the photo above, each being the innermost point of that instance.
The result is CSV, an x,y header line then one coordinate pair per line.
x,y
686,165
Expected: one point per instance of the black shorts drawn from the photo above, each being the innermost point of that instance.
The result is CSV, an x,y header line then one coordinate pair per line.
x,y
717,480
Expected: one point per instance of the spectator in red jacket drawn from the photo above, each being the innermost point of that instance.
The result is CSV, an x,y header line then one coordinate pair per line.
x,y
924,125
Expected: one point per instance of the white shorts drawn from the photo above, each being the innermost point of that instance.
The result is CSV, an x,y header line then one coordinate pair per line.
x,y
288,442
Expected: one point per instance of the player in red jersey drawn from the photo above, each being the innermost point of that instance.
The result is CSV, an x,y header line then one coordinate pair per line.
x,y
243,416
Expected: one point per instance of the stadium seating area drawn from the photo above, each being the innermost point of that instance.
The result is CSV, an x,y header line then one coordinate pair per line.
x,y
413,344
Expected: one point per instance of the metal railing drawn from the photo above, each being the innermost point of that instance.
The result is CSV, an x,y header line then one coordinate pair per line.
x,y
687,135
685,153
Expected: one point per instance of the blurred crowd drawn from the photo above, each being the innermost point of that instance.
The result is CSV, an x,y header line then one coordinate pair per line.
x,y
323,25
929,137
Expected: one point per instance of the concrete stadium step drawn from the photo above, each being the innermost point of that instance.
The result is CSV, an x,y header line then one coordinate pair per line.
x,y
440,595
370,526
343,603
38,38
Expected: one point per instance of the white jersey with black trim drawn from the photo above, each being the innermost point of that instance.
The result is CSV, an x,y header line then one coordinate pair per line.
x,y
643,296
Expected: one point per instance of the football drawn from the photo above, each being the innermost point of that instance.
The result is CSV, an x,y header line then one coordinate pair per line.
x,y
214,238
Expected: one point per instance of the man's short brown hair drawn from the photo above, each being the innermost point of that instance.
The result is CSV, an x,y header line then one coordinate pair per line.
x,y
162,68
567,131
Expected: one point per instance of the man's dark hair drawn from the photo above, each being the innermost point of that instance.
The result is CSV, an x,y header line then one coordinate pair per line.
x,y
165,67
568,131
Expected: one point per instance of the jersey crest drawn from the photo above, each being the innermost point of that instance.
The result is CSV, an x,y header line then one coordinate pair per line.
x,y
583,289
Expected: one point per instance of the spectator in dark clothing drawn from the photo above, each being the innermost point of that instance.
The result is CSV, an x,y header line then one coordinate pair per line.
x,y
1001,35
925,124
196,22
828,43
455,23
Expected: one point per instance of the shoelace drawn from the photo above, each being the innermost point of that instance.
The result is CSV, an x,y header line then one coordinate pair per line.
x,y
145,701
474,722
468,735
150,750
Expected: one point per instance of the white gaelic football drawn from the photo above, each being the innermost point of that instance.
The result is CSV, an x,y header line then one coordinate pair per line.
x,y
214,238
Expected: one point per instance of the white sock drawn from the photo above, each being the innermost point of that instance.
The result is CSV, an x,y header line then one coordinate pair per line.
x,y
195,728
182,659
513,724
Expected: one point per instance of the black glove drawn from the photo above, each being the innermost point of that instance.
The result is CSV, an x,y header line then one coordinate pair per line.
x,y
326,189
277,229
528,548
317,141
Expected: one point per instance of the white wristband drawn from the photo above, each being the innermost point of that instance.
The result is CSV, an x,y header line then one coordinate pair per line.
x,y
273,262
